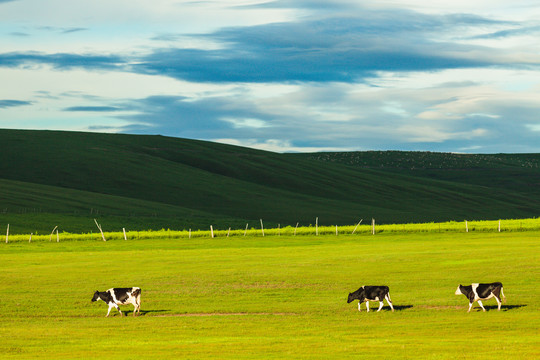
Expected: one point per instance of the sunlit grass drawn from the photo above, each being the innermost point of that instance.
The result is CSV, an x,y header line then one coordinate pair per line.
x,y
273,297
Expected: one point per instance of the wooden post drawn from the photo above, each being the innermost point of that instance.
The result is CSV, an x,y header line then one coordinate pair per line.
x,y
295,229
30,240
190,233
262,228
57,237
7,234
100,230
357,226
52,232
245,231
317,226
373,226
466,226
124,230
499,226
279,229
336,231
211,231
228,232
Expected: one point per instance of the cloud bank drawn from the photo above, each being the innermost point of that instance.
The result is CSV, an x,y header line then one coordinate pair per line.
x,y
323,75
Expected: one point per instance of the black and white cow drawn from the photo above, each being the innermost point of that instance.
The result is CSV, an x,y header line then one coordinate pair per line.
x,y
479,292
120,296
371,293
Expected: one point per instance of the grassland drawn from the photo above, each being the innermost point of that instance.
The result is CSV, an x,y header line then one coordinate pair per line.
x,y
271,297
66,179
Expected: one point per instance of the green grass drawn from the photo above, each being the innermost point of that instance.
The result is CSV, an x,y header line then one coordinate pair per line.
x,y
65,179
273,297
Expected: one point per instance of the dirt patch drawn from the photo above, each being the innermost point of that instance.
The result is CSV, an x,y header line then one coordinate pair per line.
x,y
441,307
224,314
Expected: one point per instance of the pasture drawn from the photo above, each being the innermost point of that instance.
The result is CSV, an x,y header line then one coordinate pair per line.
x,y
271,297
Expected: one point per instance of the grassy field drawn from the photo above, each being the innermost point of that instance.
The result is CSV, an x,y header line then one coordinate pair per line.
x,y
66,179
273,297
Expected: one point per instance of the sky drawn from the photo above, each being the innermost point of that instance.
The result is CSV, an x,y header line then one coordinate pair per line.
x,y
284,76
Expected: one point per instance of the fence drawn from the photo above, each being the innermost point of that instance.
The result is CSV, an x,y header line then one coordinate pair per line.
x,y
356,229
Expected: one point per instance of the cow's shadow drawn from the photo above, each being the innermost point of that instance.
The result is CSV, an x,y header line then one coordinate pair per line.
x,y
145,312
396,308
503,307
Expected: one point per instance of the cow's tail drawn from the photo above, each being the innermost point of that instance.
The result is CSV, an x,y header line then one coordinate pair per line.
x,y
388,296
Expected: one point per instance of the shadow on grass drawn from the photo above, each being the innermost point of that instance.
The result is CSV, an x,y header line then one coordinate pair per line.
x,y
145,312
402,307
503,307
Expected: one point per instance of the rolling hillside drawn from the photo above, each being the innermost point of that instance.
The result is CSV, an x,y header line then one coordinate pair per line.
x,y
153,182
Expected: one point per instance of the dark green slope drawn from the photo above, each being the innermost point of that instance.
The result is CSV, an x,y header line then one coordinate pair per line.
x,y
181,181
518,173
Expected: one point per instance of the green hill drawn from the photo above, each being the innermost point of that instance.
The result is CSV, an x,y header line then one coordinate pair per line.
x,y
50,178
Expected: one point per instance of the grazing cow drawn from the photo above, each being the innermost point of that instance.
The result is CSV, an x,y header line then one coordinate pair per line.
x,y
120,296
371,293
479,292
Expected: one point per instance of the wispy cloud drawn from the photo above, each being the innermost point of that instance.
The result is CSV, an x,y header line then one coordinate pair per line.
x,y
62,61
520,31
13,103
93,108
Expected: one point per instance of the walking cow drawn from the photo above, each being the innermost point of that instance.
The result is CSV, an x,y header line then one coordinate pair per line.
x,y
120,296
371,293
479,292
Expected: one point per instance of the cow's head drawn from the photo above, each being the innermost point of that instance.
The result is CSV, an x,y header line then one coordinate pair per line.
x,y
96,296
458,290
357,295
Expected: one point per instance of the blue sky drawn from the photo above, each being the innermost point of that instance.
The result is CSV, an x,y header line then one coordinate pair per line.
x,y
297,75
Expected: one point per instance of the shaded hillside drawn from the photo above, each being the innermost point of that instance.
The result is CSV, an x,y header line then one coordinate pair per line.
x,y
178,181
505,172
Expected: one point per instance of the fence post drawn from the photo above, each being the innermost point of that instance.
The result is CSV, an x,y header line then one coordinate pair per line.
x,y
357,226
262,227
336,231
296,227
372,226
466,226
499,226
317,226
124,230
100,230
57,237
7,233
52,232
245,231
212,231
30,240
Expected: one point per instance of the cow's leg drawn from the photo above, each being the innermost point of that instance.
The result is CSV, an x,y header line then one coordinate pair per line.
x,y
470,306
498,303
381,304
497,294
359,308
367,306
481,305
387,297
111,305
117,308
